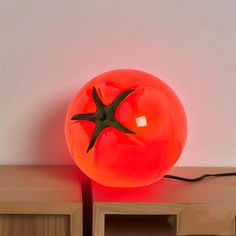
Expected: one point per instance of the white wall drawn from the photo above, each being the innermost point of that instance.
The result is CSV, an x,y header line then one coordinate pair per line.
x,y
50,48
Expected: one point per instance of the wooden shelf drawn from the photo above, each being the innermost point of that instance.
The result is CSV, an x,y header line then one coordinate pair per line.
x,y
47,201
40,201
203,208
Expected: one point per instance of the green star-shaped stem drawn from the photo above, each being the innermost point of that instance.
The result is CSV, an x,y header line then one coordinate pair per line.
x,y
104,116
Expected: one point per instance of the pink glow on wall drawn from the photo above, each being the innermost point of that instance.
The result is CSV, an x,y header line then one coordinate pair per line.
x,y
49,49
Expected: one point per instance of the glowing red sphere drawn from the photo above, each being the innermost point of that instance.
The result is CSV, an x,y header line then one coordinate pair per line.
x,y
125,128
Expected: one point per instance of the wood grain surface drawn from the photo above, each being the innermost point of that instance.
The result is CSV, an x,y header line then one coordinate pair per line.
x,y
40,184
203,208
40,201
211,190
35,225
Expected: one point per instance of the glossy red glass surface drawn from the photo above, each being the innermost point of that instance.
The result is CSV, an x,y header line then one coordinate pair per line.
x,y
152,111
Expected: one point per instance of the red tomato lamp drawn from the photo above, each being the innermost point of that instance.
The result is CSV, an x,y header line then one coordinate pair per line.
x,y
125,128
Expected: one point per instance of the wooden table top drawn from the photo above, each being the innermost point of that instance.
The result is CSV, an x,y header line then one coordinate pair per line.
x,y
63,184
40,184
211,190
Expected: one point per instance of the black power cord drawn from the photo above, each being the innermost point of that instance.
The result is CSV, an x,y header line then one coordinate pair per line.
x,y
200,177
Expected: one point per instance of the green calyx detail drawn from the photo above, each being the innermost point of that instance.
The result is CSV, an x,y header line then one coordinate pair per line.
x,y
104,116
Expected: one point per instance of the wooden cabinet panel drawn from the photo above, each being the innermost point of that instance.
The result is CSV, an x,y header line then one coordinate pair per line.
x,y
158,214
36,225
40,201
47,201
207,207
